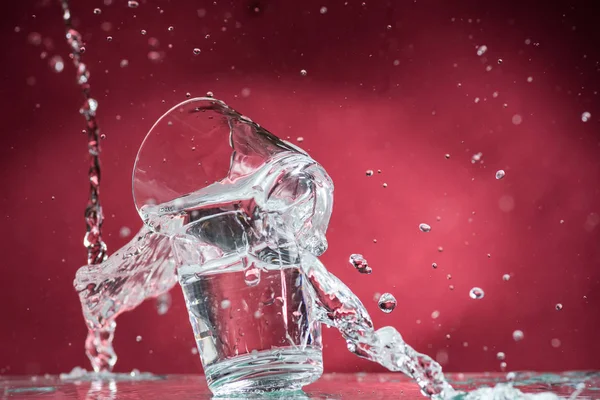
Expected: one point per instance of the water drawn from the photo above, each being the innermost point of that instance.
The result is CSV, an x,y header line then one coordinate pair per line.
x,y
248,240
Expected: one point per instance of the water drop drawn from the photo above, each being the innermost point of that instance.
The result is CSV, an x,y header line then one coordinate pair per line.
x,y
518,335
369,172
109,38
323,10
384,185
132,4
434,265
500,174
424,228
143,31
387,303
503,366
476,157
506,277
303,72
163,303
500,356
170,29
447,156
440,249
476,293
209,94
517,119
252,275
57,64
194,350
435,314
389,27
196,51
481,50
300,139
138,338
124,63
558,306
555,343
97,11
530,79
245,92
585,117
499,61
360,264
225,304
188,95
124,232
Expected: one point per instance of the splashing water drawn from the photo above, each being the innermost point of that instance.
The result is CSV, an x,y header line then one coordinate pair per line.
x,y
360,263
286,222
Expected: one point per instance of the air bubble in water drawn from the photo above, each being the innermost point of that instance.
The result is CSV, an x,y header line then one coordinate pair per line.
x,y
500,174
132,4
97,11
163,303
585,117
481,50
558,306
303,72
476,293
360,264
500,356
424,227
138,338
518,335
387,303
197,51
57,64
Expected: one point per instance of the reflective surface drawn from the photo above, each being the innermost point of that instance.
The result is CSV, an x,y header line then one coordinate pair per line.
x,y
331,386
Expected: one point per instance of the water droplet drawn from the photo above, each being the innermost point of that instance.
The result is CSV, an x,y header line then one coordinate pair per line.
x,y
476,157
387,303
225,304
170,29
300,139
194,350
440,249
252,275
303,72
360,263
245,92
447,156
555,343
499,61
585,117
109,38
434,265
57,64
138,338
124,63
143,31
384,185
500,174
476,293
481,50
369,172
506,277
163,303
323,10
503,366
424,228
197,51
435,314
388,27
97,11
558,306
500,355
132,4
518,335
188,95
448,336
209,94
517,119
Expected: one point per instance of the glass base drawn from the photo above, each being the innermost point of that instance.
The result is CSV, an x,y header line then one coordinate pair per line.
x,y
265,371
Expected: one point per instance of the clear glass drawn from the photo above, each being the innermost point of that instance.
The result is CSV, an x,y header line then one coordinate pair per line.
x,y
240,207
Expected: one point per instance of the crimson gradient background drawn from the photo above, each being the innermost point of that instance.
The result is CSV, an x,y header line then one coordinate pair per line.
x,y
395,99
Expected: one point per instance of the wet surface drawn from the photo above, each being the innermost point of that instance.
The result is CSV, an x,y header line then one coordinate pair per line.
x,y
330,386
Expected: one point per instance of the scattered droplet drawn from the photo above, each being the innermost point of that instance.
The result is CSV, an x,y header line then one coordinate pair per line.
x,y
57,64
194,350
500,356
481,50
124,63
518,335
303,72
124,231
360,263
387,303
209,94
369,172
323,10
435,314
196,51
163,303
585,117
300,139
440,249
555,343
424,228
143,31
476,157
530,79
476,293
500,174
385,185
132,4
503,366
558,306
517,119
447,156
499,61
109,38
225,304
97,11
188,95
170,28
506,277
138,338
434,265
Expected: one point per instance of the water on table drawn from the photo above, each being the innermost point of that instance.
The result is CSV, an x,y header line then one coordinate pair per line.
x,y
331,386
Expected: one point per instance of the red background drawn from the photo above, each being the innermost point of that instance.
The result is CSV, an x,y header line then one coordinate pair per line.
x,y
356,111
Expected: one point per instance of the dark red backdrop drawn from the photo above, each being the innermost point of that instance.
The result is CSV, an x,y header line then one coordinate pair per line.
x,y
395,99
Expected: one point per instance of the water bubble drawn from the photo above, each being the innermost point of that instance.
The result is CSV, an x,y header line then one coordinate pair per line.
x,y
57,64
585,117
558,306
369,172
225,304
499,61
503,366
385,185
97,11
518,335
434,265
143,31
476,157
476,293
511,376
447,156
132,4
188,95
300,139
500,356
109,38
500,174
156,56
170,28
424,228
530,79
303,72
389,27
387,303
481,50
440,249
138,338
209,94
506,277
196,51
360,263
163,303
517,119
323,10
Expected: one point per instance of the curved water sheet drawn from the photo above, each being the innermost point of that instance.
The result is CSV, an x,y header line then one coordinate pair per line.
x,y
203,159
